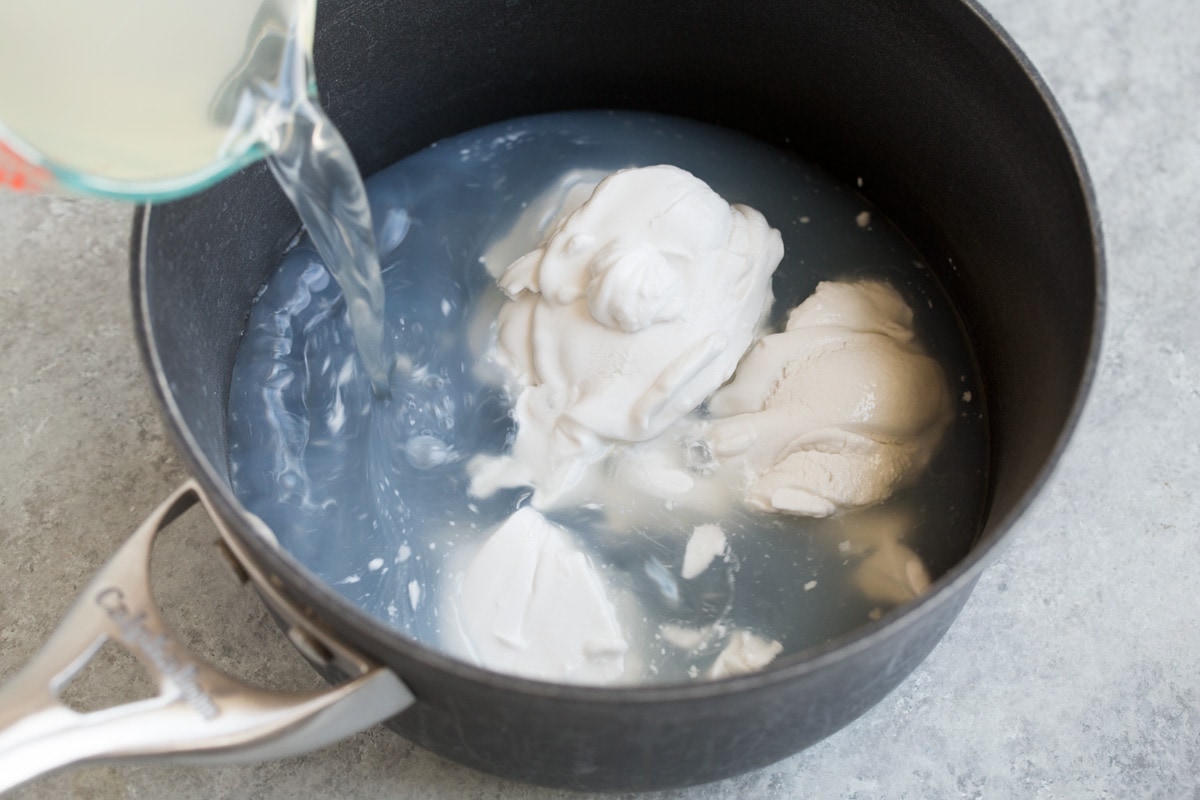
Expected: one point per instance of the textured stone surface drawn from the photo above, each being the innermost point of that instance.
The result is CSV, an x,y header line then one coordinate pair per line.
x,y
1073,672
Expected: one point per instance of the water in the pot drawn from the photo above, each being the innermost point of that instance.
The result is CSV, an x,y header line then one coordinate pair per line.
x,y
651,568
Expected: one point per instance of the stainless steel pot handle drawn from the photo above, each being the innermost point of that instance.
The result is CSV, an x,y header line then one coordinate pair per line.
x,y
200,715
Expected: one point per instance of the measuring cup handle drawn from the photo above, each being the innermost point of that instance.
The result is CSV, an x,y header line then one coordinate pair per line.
x,y
200,715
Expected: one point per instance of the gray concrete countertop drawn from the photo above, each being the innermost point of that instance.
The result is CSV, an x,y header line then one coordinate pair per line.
x,y
1074,670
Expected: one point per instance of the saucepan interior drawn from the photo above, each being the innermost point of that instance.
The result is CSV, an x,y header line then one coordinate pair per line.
x,y
956,141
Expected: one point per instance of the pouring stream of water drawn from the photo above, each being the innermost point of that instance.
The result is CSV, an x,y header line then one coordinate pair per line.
x,y
316,170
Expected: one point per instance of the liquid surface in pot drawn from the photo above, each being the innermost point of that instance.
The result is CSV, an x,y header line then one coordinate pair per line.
x,y
373,494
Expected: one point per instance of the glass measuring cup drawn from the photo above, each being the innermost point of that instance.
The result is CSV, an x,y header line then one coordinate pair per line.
x,y
139,99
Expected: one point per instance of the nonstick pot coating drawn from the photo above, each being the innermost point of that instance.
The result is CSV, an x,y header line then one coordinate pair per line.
x,y
954,138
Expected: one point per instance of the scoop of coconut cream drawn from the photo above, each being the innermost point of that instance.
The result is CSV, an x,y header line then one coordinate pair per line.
x,y
837,411
635,308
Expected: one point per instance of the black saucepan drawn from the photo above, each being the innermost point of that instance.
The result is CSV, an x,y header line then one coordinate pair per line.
x,y
957,141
